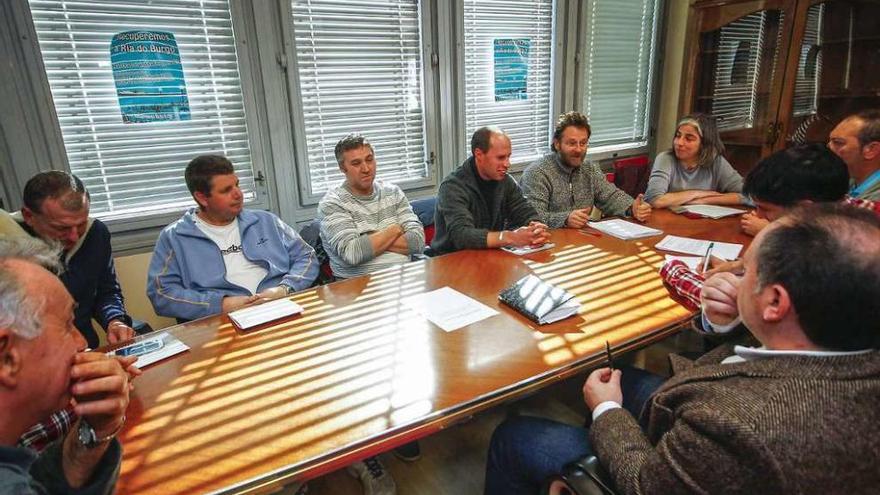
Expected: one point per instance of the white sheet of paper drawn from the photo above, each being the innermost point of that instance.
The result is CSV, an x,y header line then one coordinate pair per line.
x,y
449,309
264,313
686,245
623,229
693,262
712,211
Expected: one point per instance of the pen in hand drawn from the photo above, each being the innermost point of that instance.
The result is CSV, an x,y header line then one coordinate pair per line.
x,y
608,357
708,255
606,375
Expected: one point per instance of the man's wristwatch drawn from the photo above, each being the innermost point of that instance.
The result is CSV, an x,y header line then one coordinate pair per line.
x,y
501,236
88,438
288,290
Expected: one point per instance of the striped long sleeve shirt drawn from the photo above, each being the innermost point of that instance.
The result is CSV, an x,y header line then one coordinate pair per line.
x,y
348,220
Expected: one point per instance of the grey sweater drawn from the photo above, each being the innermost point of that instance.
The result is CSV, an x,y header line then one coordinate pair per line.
x,y
555,189
348,220
463,218
668,175
787,424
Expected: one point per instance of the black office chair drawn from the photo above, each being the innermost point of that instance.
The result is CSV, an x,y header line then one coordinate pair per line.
x,y
582,477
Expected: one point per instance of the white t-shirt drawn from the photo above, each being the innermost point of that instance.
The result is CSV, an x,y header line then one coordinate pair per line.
x,y
239,270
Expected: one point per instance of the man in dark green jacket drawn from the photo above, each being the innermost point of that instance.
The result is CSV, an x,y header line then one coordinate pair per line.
x,y
479,206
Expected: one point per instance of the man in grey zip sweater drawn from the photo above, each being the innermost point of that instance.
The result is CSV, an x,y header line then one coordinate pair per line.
x,y
563,187
480,206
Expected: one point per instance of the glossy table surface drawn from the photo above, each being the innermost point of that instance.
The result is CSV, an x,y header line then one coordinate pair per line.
x,y
359,373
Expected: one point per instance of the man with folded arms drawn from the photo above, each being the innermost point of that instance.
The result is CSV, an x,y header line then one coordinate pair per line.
x,y
42,367
563,186
366,225
795,414
221,256
479,206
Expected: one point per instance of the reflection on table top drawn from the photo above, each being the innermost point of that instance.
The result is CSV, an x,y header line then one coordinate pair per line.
x,y
359,373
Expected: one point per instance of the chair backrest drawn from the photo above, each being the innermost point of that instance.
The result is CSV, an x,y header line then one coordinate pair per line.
x,y
424,209
631,174
311,233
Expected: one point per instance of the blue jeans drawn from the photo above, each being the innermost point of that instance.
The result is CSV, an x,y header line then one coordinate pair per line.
x,y
526,450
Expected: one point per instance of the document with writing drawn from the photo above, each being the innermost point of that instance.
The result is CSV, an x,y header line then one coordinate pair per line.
x,y
686,245
264,313
449,309
623,229
151,348
710,211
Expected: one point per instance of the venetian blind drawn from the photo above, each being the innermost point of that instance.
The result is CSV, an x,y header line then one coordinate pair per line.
x,y
515,95
618,60
737,71
359,68
810,63
132,169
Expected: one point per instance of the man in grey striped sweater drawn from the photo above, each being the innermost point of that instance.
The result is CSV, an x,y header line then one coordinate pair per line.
x,y
366,225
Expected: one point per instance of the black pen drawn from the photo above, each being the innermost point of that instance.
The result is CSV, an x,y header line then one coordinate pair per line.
x,y
608,355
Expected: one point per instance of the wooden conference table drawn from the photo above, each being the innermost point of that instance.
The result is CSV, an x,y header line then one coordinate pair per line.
x,y
358,373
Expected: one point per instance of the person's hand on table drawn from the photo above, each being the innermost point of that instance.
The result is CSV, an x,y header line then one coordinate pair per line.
x,y
751,224
231,303
641,209
602,385
577,219
118,331
272,293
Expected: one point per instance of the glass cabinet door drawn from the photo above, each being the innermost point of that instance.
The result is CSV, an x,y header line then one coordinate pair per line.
x,y
776,73
837,71
738,74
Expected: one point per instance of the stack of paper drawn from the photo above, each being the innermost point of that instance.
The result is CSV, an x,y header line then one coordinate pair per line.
x,y
152,348
264,313
686,245
623,229
519,251
710,211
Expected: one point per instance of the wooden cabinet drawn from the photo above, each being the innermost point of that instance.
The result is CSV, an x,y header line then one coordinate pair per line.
x,y
776,72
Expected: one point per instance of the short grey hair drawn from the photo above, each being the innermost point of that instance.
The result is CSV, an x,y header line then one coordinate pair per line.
x,y
19,311
348,143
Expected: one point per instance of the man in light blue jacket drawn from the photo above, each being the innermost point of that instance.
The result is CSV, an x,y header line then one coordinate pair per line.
x,y
219,257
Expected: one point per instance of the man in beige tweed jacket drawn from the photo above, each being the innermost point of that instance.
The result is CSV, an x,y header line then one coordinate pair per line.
x,y
799,414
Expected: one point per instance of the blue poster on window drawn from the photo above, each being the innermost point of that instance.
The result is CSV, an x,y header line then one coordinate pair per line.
x,y
511,68
149,77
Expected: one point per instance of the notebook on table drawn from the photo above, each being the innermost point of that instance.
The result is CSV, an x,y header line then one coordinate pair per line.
x,y
264,313
539,301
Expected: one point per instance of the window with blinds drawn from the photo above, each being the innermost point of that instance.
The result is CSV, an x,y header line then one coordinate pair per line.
x,y
806,85
737,71
359,70
524,114
137,168
618,59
